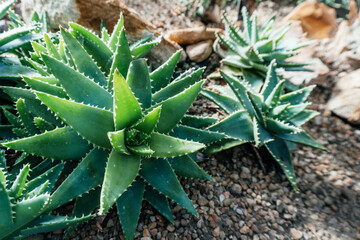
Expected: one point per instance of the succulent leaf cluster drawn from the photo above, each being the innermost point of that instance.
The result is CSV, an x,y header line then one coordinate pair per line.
x,y
251,50
99,104
269,117
25,197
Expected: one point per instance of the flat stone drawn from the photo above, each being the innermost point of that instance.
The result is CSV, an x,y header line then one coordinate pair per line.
x,y
192,35
345,98
200,51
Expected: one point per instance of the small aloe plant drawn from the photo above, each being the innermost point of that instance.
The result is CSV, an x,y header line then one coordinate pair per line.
x,y
15,43
251,50
269,118
125,124
25,197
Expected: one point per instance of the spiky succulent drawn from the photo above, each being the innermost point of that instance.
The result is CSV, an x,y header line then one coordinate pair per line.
x,y
119,119
251,50
33,67
268,117
15,43
25,196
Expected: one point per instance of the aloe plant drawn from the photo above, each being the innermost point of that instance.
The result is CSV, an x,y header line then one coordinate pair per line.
x,y
39,77
24,198
268,117
15,43
251,50
121,121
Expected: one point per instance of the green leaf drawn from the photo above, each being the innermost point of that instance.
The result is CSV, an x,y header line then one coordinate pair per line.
x,y
25,211
50,175
14,120
186,167
198,121
273,98
257,102
141,150
281,154
90,122
293,110
61,144
159,174
18,185
83,61
91,168
254,31
177,86
51,47
260,134
79,87
141,50
303,117
165,146
127,109
298,96
116,32
117,140
162,75
129,207
159,202
277,126
240,88
122,58
195,134
255,79
138,80
121,171
15,72
271,80
5,207
25,117
43,125
21,42
93,38
50,223
222,145
34,105
302,138
38,48
38,67
173,109
237,125
148,123
16,33
45,87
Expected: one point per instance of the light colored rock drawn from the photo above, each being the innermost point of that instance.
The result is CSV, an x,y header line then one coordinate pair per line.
x,y
89,13
200,51
317,19
295,234
319,70
345,98
344,50
192,35
339,44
